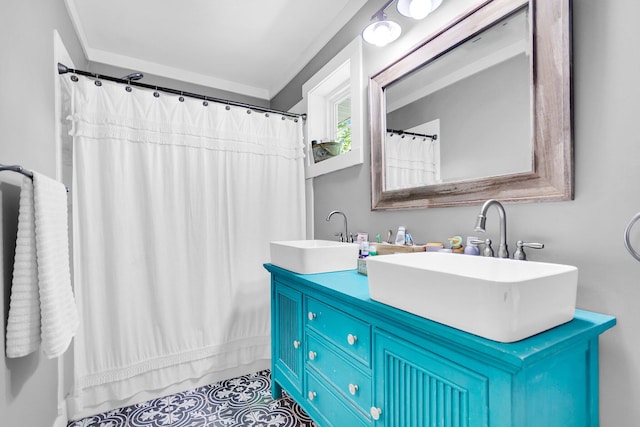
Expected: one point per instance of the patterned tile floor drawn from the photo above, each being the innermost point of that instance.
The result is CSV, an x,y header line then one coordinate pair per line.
x,y
238,402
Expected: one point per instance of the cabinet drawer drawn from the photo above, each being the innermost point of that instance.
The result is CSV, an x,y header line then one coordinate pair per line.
x,y
348,333
351,381
332,406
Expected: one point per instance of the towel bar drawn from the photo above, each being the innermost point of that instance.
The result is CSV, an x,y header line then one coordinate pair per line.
x,y
20,169
16,168
627,241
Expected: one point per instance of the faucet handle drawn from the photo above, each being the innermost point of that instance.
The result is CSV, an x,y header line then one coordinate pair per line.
x,y
488,250
339,236
520,245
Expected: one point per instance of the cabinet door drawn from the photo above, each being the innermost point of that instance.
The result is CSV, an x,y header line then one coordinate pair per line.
x,y
287,349
417,388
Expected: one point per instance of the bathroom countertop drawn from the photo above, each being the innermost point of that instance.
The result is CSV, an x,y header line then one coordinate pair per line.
x,y
586,325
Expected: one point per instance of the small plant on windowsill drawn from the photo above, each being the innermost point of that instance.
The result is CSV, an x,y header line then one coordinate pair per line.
x,y
343,135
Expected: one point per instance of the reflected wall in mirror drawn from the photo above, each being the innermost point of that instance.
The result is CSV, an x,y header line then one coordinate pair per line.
x,y
479,95
497,101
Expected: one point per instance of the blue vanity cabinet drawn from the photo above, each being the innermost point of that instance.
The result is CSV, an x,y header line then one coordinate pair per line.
x,y
363,363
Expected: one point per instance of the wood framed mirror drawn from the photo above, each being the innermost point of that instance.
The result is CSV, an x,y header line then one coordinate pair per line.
x,y
493,137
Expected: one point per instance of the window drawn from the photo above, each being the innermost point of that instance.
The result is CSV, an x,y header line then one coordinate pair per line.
x,y
334,103
340,123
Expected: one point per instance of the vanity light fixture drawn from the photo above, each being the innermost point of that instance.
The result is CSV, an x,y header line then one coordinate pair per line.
x,y
417,9
382,31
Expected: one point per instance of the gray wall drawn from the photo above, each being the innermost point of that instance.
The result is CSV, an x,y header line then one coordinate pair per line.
x,y
586,232
29,385
484,121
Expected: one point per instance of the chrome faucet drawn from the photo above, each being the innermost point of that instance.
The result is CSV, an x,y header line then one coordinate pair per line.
x,y
343,237
503,252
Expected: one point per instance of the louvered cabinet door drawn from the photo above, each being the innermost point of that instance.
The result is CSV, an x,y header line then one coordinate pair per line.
x,y
415,387
287,351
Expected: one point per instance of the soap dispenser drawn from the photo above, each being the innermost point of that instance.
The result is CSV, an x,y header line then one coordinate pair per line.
x,y
472,246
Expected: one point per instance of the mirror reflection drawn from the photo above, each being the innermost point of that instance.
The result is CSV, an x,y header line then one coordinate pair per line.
x,y
465,115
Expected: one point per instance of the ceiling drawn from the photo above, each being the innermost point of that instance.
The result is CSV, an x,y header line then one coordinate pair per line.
x,y
251,47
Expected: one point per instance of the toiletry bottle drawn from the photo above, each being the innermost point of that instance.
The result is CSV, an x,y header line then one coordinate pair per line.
x,y
456,244
408,239
363,244
472,248
400,237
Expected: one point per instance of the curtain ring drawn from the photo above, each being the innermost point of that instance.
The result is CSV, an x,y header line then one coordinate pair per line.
x,y
74,78
227,108
98,83
205,103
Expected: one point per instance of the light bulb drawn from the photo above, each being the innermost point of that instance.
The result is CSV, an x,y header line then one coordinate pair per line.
x,y
420,8
381,33
417,9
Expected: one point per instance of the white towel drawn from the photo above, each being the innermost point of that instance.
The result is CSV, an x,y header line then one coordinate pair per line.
x,y
42,307
23,326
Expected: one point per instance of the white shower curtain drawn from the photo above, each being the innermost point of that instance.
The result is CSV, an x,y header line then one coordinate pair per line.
x,y
174,205
410,162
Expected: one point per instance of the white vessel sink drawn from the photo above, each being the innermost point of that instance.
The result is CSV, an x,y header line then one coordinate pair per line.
x,y
500,299
314,256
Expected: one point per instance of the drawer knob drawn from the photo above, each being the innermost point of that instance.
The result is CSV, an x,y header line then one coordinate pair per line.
x,y
311,315
313,355
312,395
296,344
375,413
353,389
351,339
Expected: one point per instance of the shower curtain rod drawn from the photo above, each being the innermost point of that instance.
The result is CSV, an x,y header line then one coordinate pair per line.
x,y
402,133
63,69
